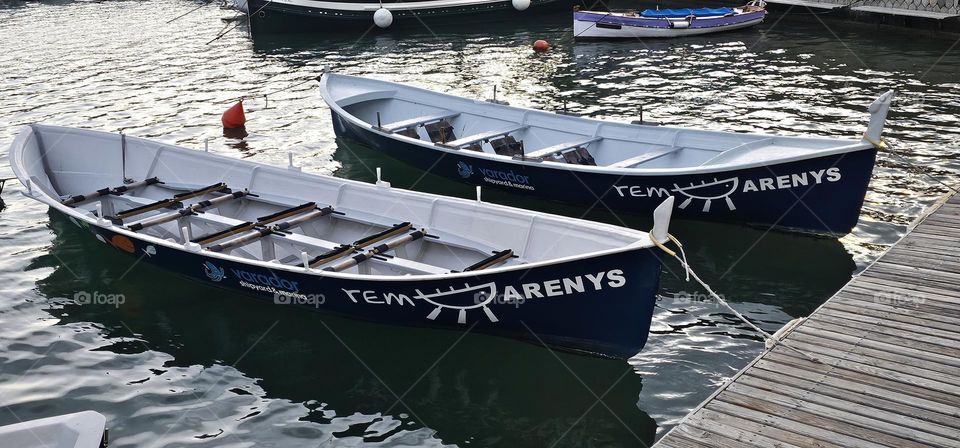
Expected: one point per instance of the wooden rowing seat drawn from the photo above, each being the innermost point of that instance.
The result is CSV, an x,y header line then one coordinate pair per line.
x,y
261,221
493,260
346,249
642,158
418,121
74,200
175,202
482,137
559,149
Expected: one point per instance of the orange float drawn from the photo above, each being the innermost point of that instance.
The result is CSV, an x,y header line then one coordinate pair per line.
x,y
234,118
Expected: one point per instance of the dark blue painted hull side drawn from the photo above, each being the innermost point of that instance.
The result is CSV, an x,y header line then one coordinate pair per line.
x,y
821,195
272,17
601,305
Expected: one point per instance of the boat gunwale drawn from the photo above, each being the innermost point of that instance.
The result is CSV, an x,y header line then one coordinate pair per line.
x,y
19,144
849,147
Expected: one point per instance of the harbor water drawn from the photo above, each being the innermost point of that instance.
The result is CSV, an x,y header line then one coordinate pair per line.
x,y
172,362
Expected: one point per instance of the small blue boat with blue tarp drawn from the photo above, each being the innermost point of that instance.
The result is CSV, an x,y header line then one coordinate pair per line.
x,y
665,22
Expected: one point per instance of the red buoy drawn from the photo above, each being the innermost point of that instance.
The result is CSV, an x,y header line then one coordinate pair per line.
x,y
233,117
540,46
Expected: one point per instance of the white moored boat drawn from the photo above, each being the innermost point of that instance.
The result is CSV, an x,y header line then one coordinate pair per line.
x,y
362,250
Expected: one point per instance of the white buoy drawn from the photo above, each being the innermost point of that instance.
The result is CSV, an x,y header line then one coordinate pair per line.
x,y
383,17
521,5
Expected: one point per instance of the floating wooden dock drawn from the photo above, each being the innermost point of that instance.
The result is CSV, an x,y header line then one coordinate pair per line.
x,y
890,345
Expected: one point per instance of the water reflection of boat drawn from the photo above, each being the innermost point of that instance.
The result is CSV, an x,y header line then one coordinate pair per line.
x,y
665,22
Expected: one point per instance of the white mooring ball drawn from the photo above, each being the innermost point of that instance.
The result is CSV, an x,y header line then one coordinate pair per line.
x,y
383,17
521,5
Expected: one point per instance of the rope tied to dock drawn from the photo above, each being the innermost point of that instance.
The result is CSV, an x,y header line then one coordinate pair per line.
x,y
770,340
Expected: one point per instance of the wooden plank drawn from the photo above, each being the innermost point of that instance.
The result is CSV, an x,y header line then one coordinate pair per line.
x,y
823,341
543,152
928,261
853,303
935,339
892,371
710,439
790,417
890,346
773,426
889,423
905,303
677,440
749,432
883,284
890,335
868,396
839,376
912,276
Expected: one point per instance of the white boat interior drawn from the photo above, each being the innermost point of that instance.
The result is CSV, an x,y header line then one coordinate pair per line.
x,y
451,123
78,430
194,200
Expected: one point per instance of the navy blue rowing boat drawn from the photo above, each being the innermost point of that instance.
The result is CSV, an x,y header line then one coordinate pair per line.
x,y
801,183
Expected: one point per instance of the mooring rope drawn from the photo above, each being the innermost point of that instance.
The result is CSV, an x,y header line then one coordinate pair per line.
x,y
770,340
884,144
189,12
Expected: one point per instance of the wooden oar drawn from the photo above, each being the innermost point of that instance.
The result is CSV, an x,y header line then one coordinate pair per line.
x,y
105,191
261,221
345,249
199,206
496,258
258,233
385,247
164,203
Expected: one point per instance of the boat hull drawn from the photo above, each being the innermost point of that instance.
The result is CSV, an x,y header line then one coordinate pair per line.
x,y
591,25
820,194
601,305
300,16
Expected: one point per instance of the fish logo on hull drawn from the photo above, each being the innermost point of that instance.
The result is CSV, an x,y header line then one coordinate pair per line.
x,y
464,170
213,273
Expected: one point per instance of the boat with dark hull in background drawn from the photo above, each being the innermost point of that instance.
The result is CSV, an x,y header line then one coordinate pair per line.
x,y
362,250
362,16
811,184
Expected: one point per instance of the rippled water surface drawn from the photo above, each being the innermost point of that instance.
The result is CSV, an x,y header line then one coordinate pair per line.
x,y
180,363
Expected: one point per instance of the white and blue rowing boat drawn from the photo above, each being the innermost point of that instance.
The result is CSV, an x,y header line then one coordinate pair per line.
x,y
665,22
812,184
361,250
